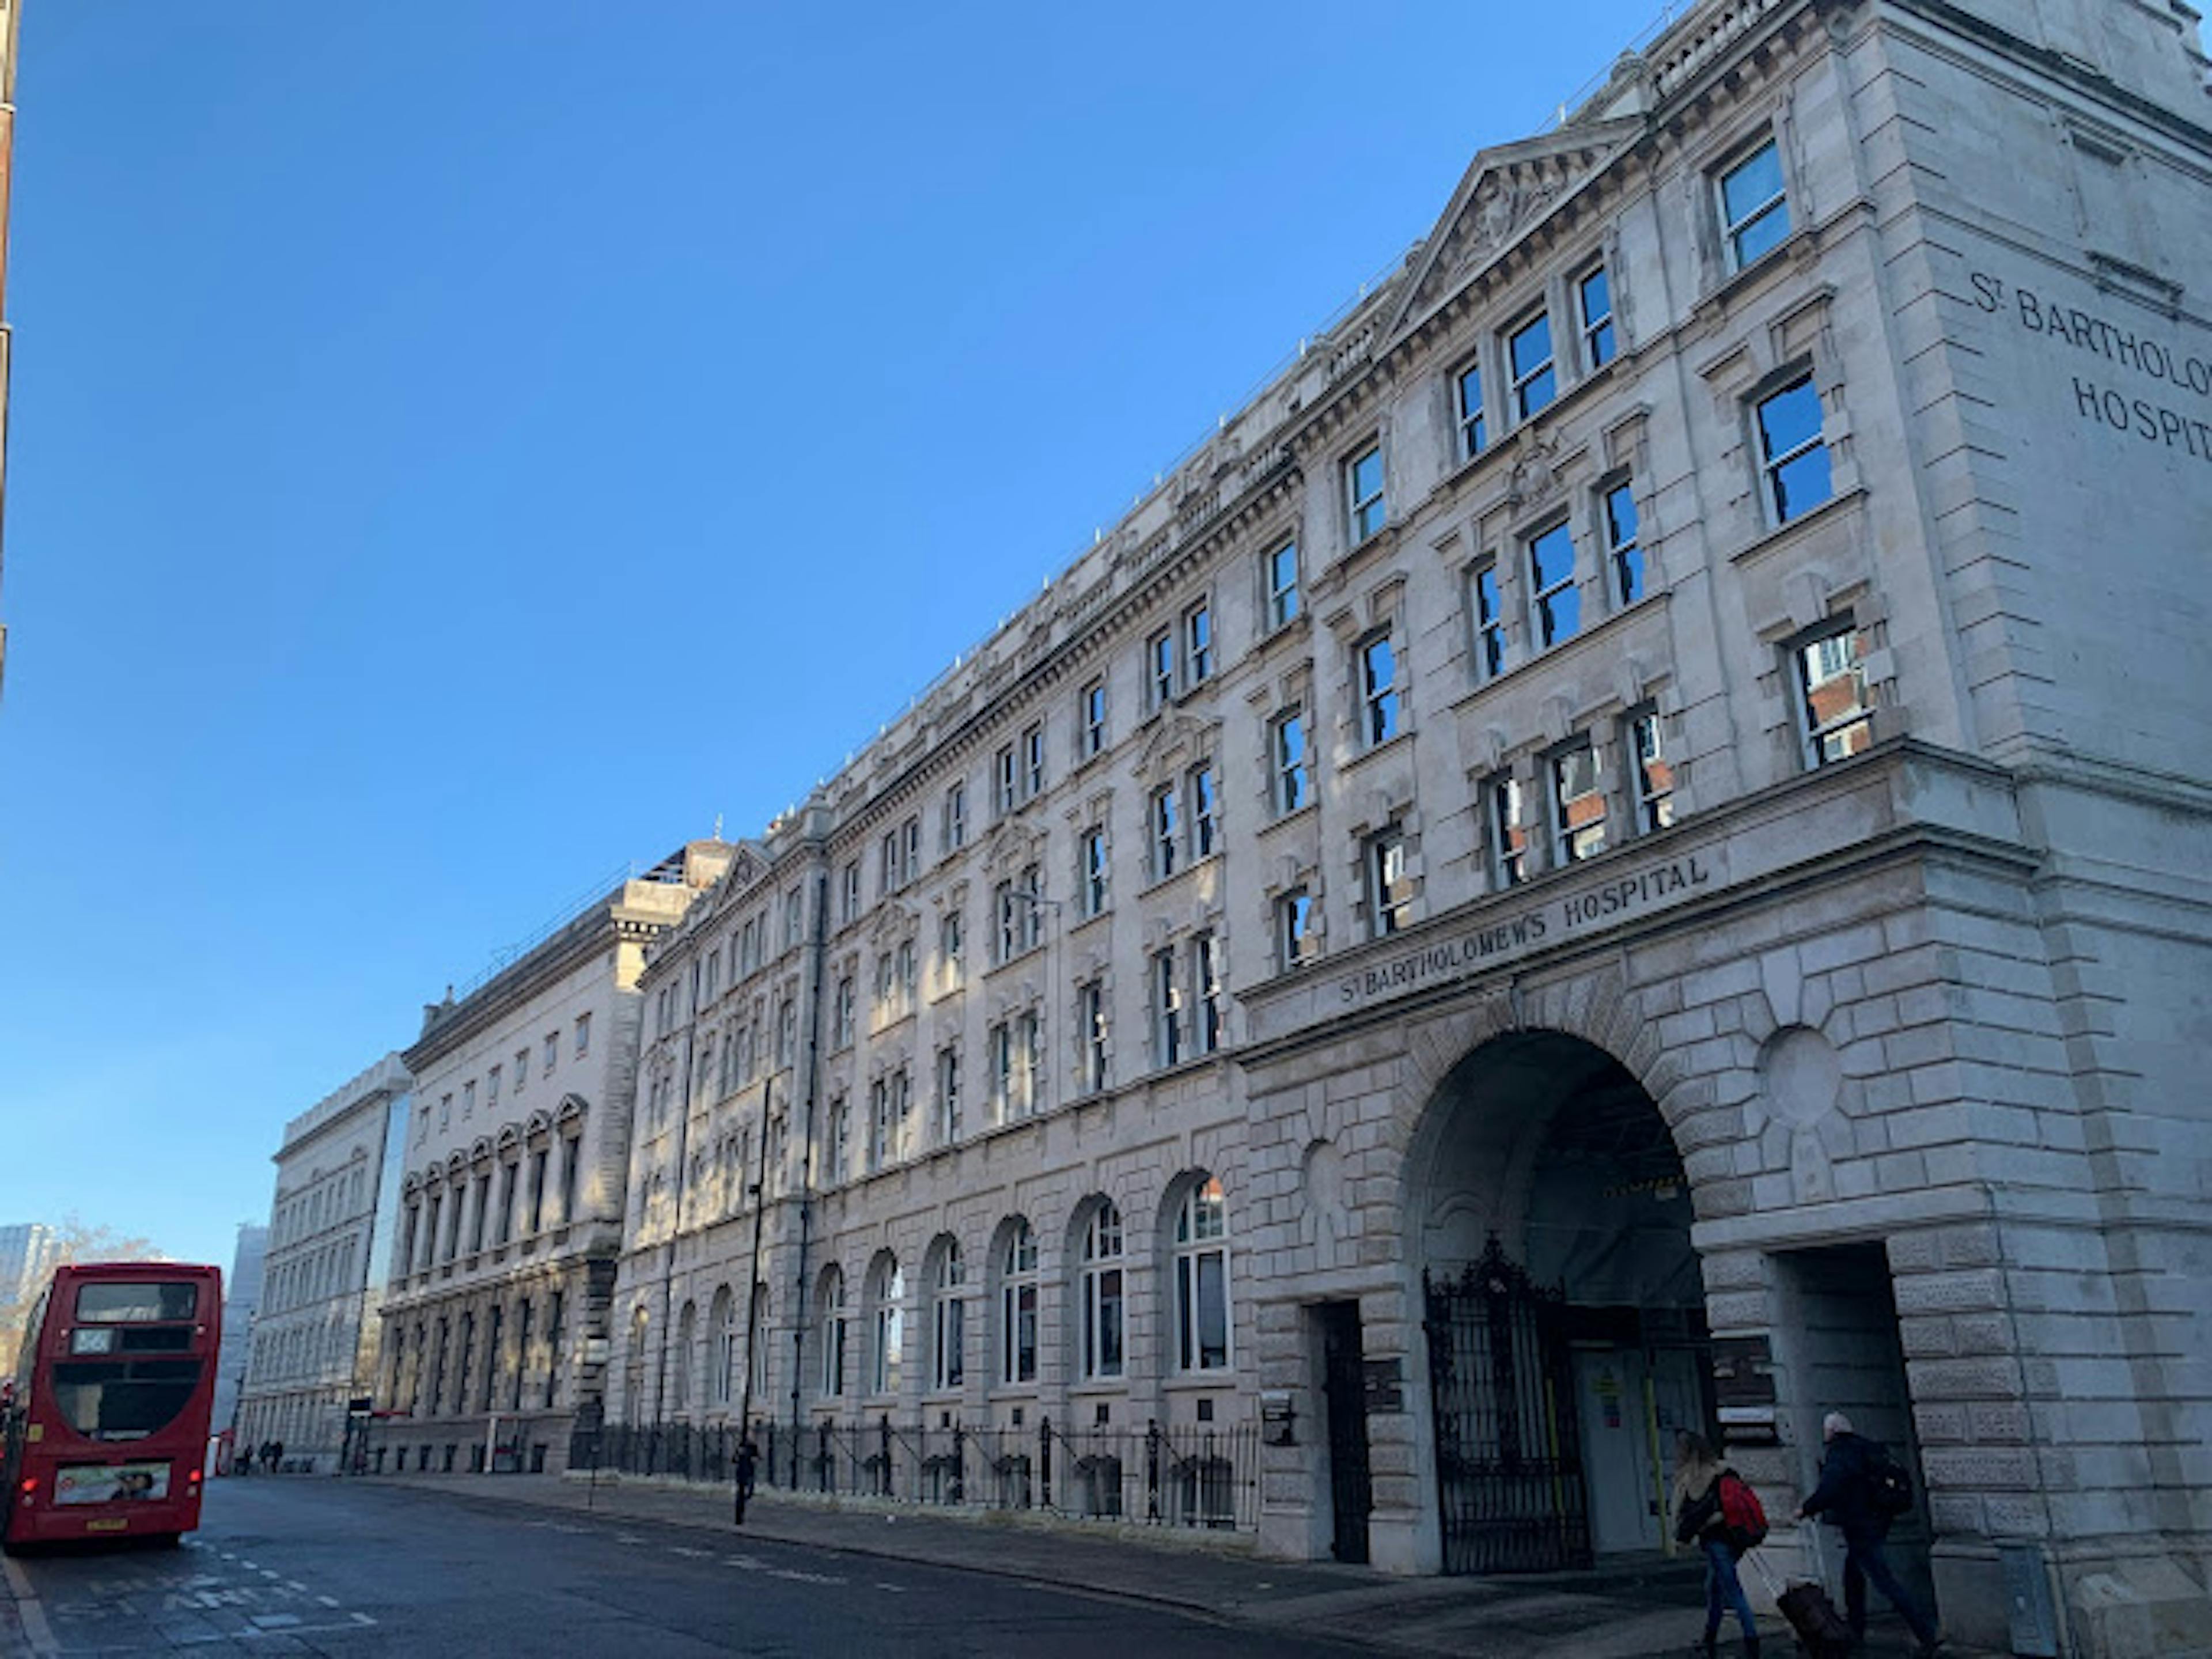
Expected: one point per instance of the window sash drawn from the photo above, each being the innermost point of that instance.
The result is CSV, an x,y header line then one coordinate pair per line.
x,y
1749,222
1389,888
1836,726
1161,651
1197,646
1094,718
1489,619
1597,316
1378,678
1164,834
1363,477
1509,833
1290,756
1528,353
1577,805
1293,923
1283,585
1473,430
1552,573
1655,776
1626,554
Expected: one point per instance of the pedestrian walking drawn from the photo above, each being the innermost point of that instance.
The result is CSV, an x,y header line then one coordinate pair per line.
x,y
1862,1491
748,1468
1702,1517
276,1455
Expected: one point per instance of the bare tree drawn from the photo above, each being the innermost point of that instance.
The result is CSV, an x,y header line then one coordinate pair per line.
x,y
74,1240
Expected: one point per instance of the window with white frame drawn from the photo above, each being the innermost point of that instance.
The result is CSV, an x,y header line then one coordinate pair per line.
x,y
1529,352
1167,1010
1167,840
1286,748
583,1035
786,1026
889,1344
951,946
1097,869
1487,604
886,978
1577,804
1593,300
948,1321
1027,1061
909,869
841,1023
1197,645
1792,455
1755,205
1280,578
1003,903
1094,719
833,1334
552,1047
1622,549
1033,762
1090,1022
952,818
948,1096
1018,1307
879,1124
1390,885
1000,1039
1473,428
1835,704
902,1097
1160,668
1509,832
1204,828
1101,1294
713,975
1655,773
902,999
1296,939
1006,773
1363,491
1558,609
1029,900
1201,1280
841,1139
721,1347
794,906
1206,981
1379,690
849,893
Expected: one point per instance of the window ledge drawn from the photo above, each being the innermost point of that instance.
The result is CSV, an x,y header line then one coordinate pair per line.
x,y
1296,814
1299,627
1612,621
1406,735
1221,1377
1103,914
1776,536
1013,961
1160,884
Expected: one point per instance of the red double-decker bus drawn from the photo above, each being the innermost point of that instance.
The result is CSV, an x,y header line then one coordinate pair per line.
x,y
108,1425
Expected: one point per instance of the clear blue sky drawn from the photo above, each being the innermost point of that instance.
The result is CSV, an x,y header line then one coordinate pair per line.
x,y
459,447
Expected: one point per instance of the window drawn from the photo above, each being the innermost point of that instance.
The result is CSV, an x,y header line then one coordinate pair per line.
x,y
849,893
1282,583
521,1069
1792,455
952,825
583,1035
902,1110
1197,645
1091,1021
879,1124
713,975
721,1347
1509,834
1205,977
1295,940
1287,747
1835,706
1165,840
445,1112
881,1008
1577,805
469,1098
1167,1004
1528,350
508,1175
1378,690
1593,298
794,903
1001,1038
951,944
1655,774
840,1021
833,1334
1552,571
571,1159
552,1051
537,1162
1018,1307
1489,608
1201,1280
948,1311
786,1016
1754,209
948,1096
1033,763
1474,431
1101,1294
1024,1048
841,1138
1160,668
1389,887
1029,899
1094,719
1621,544
1007,778
1362,483
1096,870
1204,839
687,1333
1002,898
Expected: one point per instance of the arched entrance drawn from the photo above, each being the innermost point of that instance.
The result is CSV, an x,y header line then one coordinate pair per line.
x,y
1564,1305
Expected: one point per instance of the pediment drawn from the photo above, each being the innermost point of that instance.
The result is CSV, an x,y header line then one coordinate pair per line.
x,y
895,919
1507,190
1012,844
1173,740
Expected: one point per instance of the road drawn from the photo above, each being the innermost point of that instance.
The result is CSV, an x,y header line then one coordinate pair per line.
x,y
311,1566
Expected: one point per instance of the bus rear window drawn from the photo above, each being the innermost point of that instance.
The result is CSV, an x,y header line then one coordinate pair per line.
x,y
123,1399
111,1303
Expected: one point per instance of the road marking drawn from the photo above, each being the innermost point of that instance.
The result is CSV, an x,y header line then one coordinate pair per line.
x,y
328,1601
896,1589
39,1633
686,1549
295,1584
627,1538
798,1577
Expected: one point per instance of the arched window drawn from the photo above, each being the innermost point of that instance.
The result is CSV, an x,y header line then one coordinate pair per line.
x,y
722,1346
1102,1298
633,1369
887,1333
1018,1307
948,1320
687,1323
1201,1279
756,1348
833,1333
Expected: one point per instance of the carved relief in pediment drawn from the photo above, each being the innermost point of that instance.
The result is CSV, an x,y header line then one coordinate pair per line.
x,y
1174,741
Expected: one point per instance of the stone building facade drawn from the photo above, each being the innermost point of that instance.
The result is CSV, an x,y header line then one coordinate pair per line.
x,y
509,1219
312,1343
1624,848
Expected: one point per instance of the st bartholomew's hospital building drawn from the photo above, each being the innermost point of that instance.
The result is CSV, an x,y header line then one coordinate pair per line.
x,y
1625,848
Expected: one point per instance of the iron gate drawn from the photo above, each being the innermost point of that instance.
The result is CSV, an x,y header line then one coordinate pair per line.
x,y
1508,1463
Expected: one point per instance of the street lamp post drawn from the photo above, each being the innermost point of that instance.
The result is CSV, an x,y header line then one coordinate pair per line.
x,y
747,1456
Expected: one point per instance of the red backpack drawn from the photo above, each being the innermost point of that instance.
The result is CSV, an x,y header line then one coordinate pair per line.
x,y
1741,1513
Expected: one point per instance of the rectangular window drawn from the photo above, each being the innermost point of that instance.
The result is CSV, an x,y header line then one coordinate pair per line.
x,y
948,1097
1754,208
1160,668
1002,1070
1033,763
1166,842
887,862
1030,902
841,1138
1836,707
1167,1006
848,899
1655,774
552,1047
1094,719
1593,297
1552,573
1378,690
909,868
952,826
1206,978
1294,939
1091,1014
1577,805
1002,904
469,1098
841,1030
1389,887
1197,645
1489,607
951,944
1620,538
1006,776
1363,485
491,1087
1283,602
1792,455
879,1124
1287,745
1029,1063
583,1035
1204,838
1509,834
1474,431
521,1069
1096,870
1528,349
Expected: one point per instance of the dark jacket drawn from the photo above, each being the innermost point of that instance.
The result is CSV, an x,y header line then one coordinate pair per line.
x,y
1845,1494
1700,1512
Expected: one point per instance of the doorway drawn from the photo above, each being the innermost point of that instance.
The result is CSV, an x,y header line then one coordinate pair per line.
x,y
1344,1386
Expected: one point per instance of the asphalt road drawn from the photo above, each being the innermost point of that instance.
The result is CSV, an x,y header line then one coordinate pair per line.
x,y
315,1566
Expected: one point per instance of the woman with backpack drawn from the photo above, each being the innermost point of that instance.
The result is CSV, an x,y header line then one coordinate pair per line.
x,y
1704,1515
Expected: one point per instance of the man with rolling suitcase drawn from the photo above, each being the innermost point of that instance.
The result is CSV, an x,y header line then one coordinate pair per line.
x,y
1862,1491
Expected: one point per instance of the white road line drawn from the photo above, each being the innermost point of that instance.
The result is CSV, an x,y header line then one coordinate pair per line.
x,y
39,1633
896,1589
295,1584
328,1601
686,1549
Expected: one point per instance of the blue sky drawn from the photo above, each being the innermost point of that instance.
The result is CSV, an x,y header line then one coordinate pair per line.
x,y
459,448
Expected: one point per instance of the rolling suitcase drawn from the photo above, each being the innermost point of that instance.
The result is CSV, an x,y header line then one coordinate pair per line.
x,y
1819,1629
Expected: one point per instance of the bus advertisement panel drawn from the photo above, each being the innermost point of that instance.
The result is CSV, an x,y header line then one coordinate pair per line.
x,y
107,1424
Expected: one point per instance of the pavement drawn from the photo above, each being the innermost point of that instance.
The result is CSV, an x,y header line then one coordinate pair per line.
x,y
535,1566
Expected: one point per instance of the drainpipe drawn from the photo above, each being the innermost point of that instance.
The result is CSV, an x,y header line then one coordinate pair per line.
x,y
818,947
